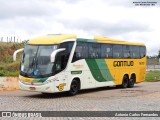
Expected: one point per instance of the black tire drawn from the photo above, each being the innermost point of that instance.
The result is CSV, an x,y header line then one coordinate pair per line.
x,y
131,82
124,82
74,88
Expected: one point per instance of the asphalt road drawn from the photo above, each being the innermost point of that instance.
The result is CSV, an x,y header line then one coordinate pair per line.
x,y
143,97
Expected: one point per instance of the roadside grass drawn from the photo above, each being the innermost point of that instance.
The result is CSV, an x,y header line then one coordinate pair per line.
x,y
6,73
10,69
7,66
153,76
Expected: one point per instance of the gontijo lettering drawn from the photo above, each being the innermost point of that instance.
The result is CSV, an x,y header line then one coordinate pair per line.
x,y
123,63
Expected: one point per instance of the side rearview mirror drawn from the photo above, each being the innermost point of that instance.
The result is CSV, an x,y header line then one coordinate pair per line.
x,y
15,53
53,54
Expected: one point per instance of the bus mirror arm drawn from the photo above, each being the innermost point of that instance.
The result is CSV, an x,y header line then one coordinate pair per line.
x,y
15,53
53,54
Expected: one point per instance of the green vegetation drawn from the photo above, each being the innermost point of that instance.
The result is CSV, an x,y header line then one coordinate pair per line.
x,y
153,76
152,61
6,73
7,66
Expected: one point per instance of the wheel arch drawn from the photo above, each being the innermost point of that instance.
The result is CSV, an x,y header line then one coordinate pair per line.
x,y
126,75
121,78
74,86
77,79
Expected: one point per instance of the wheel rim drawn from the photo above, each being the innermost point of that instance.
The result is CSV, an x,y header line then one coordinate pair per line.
x,y
125,82
131,81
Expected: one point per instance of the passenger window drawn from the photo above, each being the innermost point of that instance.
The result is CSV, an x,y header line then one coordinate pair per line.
x,y
117,51
85,50
142,51
106,51
126,51
135,52
81,51
94,50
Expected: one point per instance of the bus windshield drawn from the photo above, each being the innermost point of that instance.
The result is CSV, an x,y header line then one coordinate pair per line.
x,y
36,60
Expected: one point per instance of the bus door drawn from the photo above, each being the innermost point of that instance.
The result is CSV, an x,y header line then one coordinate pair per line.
x,y
61,62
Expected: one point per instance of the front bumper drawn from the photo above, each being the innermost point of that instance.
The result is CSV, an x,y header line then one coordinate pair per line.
x,y
45,88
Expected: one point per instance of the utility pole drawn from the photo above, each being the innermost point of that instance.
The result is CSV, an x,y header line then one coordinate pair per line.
x,y
11,39
14,39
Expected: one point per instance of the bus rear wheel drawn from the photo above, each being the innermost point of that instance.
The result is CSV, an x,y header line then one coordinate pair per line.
x,y
74,88
131,82
125,82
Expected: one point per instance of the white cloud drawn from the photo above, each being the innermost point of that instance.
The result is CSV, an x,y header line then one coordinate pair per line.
x,y
27,8
116,19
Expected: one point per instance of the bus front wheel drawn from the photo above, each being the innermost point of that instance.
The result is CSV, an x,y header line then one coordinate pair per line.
x,y
74,88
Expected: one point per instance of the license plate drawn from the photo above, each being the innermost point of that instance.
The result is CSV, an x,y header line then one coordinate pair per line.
x,y
32,88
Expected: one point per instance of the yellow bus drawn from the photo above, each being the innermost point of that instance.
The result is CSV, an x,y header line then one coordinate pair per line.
x,y
56,63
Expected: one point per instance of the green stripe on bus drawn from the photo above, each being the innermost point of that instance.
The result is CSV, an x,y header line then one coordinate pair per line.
x,y
95,70
40,79
99,70
104,69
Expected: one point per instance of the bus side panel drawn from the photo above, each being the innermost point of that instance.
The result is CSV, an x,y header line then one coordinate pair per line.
x,y
141,64
79,69
92,73
61,82
100,72
120,67
114,71
104,72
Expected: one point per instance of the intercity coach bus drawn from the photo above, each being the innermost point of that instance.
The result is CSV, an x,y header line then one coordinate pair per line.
x,y
56,63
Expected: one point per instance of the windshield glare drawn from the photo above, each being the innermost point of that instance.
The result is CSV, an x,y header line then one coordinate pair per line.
x,y
36,60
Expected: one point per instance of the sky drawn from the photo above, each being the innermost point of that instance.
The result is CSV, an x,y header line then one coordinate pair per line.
x,y
118,19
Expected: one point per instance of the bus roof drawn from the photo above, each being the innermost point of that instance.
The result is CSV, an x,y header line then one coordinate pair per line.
x,y
58,38
51,39
115,41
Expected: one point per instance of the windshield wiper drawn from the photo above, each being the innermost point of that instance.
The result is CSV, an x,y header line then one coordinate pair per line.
x,y
33,62
32,67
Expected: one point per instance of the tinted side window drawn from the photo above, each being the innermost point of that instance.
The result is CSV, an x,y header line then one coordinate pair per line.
x,y
85,50
126,51
106,51
142,51
135,52
67,45
62,57
81,51
117,51
94,50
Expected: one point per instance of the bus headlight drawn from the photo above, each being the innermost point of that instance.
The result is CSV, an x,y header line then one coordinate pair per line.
x,y
48,81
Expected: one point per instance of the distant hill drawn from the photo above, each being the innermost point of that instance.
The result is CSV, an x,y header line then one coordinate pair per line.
x,y
6,58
